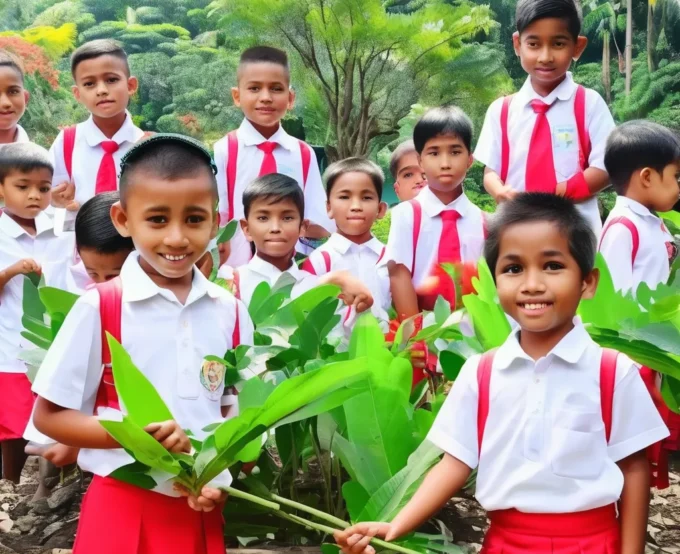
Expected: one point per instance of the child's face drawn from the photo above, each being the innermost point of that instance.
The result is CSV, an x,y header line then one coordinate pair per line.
x,y
445,160
354,204
546,49
410,177
102,267
263,93
171,223
664,187
13,98
103,86
274,227
539,282
27,193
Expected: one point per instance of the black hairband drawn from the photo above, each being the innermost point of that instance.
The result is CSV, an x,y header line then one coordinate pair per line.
x,y
167,138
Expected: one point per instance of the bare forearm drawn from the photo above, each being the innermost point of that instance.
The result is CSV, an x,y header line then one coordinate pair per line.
x,y
597,179
6,275
492,182
634,506
315,231
403,293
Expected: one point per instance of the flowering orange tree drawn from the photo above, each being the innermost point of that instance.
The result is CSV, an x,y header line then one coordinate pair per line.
x,y
36,61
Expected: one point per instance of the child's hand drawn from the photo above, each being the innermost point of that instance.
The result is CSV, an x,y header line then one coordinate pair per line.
x,y
171,436
63,194
25,266
505,193
208,500
356,539
61,455
355,293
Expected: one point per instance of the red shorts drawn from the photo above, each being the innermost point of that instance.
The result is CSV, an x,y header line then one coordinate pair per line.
x,y
118,518
16,405
591,532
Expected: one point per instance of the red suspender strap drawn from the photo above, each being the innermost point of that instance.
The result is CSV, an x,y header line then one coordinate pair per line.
x,y
236,284
417,219
326,260
505,141
306,155
633,231
308,266
583,136
236,337
69,146
232,158
483,385
382,253
607,382
110,309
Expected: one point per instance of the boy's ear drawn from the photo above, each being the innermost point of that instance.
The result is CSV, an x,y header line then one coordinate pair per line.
x,y
646,177
76,92
303,227
120,220
244,228
236,96
328,209
516,42
581,43
27,96
471,160
133,85
590,282
291,99
382,210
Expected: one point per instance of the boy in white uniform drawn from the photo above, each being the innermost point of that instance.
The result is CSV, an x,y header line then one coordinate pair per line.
x,y
13,99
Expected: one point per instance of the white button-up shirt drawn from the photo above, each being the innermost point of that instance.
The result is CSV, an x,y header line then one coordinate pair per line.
x,y
400,248
544,447
165,339
288,162
521,121
16,244
655,249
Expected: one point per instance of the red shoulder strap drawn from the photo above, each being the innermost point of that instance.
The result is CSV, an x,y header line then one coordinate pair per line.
x,y
607,382
583,136
417,219
633,231
483,385
69,146
110,309
306,154
308,266
232,157
382,253
326,260
505,141
236,336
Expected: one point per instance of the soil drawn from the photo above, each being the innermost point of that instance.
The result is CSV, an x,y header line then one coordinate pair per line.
x,y
48,526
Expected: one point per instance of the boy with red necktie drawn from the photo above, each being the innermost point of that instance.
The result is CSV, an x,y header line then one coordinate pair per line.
x,y
550,136
261,146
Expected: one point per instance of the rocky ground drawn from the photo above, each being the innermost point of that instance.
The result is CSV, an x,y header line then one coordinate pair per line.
x,y
48,526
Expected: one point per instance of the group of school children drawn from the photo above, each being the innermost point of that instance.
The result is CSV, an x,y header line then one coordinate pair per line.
x,y
559,429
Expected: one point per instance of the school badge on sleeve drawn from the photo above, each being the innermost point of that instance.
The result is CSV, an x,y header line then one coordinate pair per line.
x,y
212,379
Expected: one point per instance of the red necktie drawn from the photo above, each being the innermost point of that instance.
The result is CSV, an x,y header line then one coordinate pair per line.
x,y
269,161
540,169
106,176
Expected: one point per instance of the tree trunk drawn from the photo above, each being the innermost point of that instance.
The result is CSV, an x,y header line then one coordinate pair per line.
x,y
651,42
606,69
629,45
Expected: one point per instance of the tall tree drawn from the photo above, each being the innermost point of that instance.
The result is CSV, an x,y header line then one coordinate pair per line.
x,y
602,21
629,45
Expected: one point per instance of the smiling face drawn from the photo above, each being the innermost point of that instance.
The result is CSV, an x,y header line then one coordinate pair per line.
x,y
103,86
410,177
354,205
27,193
445,160
13,98
539,281
546,49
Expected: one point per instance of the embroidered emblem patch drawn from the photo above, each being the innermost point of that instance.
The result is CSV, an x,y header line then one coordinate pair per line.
x,y
212,379
565,138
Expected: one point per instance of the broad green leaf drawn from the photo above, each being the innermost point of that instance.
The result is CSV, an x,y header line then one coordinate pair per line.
x,y
291,315
33,359
37,327
290,439
254,393
37,340
442,310
355,497
670,391
330,549
226,233
367,337
315,327
327,403
451,363
57,301
32,305
135,474
257,300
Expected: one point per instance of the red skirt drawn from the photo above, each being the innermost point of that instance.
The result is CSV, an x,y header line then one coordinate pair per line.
x,y
16,405
118,518
591,532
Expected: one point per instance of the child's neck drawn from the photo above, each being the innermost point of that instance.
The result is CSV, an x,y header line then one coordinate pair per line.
x,y
27,225
448,196
266,132
8,136
180,287
110,125
545,89
282,263
357,239
538,345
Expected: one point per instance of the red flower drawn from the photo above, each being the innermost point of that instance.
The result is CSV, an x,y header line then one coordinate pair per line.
x,y
34,58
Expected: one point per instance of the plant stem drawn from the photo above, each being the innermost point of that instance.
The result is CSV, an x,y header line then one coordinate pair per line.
x,y
321,515
326,476
252,498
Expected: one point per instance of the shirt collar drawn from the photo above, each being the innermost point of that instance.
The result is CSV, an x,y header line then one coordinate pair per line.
x,y
564,91
570,349
271,272
94,135
43,223
342,244
636,207
139,286
252,137
433,206
21,135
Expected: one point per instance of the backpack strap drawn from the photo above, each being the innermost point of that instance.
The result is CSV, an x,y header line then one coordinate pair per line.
x,y
110,311
583,136
232,158
69,147
607,382
326,260
382,254
308,266
505,141
633,231
306,155
417,219
483,386
236,336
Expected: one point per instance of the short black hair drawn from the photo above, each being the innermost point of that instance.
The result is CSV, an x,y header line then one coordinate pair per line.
x,y
97,48
263,54
636,145
7,59
274,188
359,165
23,157
445,120
94,227
529,11
536,206
400,151
168,156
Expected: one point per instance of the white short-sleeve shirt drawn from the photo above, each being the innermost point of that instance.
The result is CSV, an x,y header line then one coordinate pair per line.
x,y
400,247
288,162
656,249
521,121
165,339
16,244
544,448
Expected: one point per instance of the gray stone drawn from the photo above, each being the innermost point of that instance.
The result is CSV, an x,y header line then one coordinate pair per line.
x,y
39,506
51,529
6,526
63,496
21,509
26,523
6,549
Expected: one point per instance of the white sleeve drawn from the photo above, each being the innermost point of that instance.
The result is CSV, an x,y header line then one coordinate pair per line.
x,y
400,240
57,158
488,149
220,152
636,423
600,125
455,428
315,196
314,263
617,249
71,371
